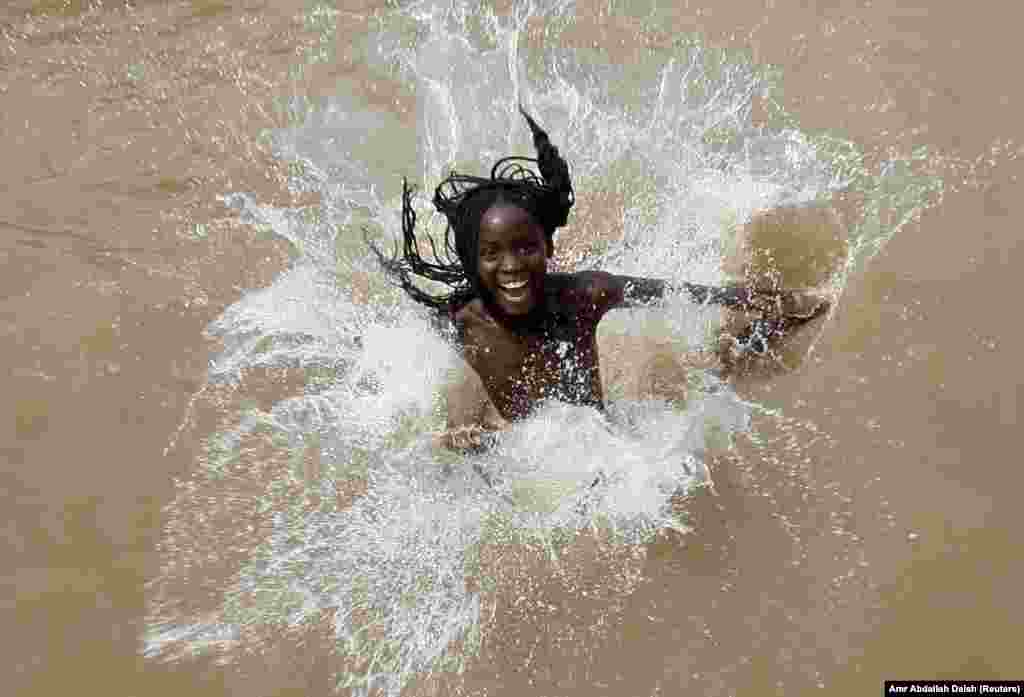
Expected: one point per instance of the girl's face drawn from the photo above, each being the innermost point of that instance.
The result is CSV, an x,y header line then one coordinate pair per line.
x,y
512,261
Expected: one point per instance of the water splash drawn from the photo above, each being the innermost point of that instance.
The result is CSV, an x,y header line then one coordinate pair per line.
x,y
331,505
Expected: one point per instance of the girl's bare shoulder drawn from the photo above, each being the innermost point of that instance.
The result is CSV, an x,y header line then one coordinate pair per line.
x,y
469,314
474,325
584,290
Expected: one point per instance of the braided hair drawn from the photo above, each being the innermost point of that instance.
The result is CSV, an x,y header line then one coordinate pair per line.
x,y
463,200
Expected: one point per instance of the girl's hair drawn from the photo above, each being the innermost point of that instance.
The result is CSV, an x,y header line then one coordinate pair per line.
x,y
463,200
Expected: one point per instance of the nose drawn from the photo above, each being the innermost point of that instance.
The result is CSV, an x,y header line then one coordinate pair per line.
x,y
509,262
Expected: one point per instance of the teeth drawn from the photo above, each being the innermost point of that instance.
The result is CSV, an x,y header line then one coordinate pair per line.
x,y
513,286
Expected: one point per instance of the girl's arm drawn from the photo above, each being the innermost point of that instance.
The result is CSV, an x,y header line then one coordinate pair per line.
x,y
471,416
610,291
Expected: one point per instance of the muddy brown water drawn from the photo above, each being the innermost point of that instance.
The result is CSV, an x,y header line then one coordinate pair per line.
x,y
120,124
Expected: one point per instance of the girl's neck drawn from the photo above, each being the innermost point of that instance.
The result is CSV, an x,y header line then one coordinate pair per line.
x,y
534,323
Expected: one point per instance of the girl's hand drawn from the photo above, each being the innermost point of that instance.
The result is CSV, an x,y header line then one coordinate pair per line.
x,y
468,438
789,304
802,304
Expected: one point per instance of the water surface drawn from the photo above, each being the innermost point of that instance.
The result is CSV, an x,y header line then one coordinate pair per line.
x,y
214,486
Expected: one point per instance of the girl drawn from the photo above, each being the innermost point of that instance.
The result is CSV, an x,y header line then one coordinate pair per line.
x,y
527,334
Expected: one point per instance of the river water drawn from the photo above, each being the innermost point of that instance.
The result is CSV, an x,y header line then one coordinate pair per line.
x,y
216,416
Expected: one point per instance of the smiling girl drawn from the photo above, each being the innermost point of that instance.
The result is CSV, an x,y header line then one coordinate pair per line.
x,y
527,334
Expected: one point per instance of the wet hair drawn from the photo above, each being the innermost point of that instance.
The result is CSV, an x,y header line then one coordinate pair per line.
x,y
463,200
